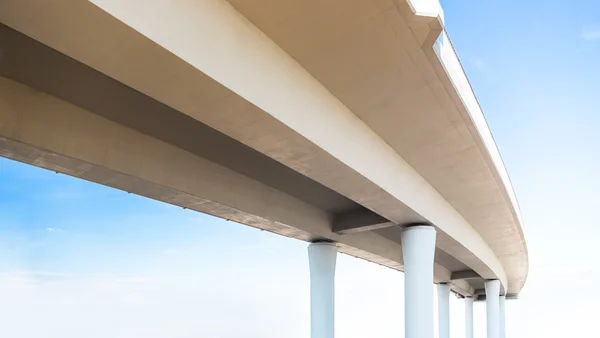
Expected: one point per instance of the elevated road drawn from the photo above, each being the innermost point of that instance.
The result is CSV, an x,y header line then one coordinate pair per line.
x,y
343,121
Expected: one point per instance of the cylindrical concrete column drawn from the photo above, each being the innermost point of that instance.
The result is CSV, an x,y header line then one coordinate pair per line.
x,y
469,317
321,260
492,304
502,317
443,292
418,249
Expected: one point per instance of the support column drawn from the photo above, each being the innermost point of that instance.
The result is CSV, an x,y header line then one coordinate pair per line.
x,y
443,292
492,304
321,261
502,317
469,317
418,249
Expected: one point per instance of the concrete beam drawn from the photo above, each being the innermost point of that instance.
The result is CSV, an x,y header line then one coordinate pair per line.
x,y
359,221
231,50
512,296
465,274
479,295
394,183
44,131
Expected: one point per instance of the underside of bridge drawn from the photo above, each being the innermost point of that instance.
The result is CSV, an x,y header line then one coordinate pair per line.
x,y
318,120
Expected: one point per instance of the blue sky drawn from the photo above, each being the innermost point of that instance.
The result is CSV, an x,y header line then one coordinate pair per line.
x,y
78,259
534,67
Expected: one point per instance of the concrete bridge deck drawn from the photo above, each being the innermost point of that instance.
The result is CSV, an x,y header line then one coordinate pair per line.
x,y
342,121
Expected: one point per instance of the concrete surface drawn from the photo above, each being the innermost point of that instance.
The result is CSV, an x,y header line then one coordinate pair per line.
x,y
339,120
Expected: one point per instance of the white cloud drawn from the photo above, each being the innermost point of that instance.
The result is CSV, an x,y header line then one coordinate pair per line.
x,y
591,33
50,229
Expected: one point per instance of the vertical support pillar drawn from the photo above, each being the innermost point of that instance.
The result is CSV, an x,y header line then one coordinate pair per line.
x,y
321,260
443,292
502,317
468,317
492,304
418,249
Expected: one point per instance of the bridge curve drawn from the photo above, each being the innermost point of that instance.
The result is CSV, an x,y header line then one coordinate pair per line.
x,y
355,112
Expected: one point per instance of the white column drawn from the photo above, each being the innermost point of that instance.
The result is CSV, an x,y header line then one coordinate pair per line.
x,y
321,260
492,300
469,317
502,317
443,292
418,249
